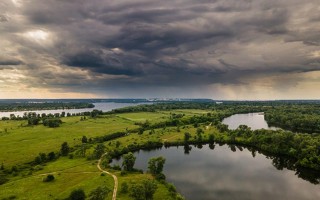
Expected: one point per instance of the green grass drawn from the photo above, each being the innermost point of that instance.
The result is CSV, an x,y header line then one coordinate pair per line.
x,y
21,144
144,116
69,174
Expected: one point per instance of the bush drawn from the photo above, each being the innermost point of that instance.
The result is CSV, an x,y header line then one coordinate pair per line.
x,y
124,188
52,122
49,178
77,194
100,193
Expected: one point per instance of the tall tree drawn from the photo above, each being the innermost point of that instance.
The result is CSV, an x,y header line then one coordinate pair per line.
x,y
99,150
65,149
155,165
128,161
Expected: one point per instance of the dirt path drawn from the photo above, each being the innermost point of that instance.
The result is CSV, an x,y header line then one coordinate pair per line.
x,y
114,196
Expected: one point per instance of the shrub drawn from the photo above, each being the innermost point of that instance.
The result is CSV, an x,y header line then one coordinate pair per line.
x,y
49,178
77,194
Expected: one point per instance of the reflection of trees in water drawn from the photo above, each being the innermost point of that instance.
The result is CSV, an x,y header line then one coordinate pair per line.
x,y
279,162
187,149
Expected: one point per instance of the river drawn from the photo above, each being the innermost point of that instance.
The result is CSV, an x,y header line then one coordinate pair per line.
x,y
230,172
104,106
253,120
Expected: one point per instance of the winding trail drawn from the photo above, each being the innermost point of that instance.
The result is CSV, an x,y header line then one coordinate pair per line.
x,y
114,196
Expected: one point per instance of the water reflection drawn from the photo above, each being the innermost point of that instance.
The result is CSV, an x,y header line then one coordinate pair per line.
x,y
253,120
233,172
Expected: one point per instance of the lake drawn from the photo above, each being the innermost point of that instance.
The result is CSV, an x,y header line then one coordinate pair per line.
x,y
104,106
230,172
253,120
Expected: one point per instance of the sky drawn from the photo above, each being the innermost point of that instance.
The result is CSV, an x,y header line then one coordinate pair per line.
x,y
218,49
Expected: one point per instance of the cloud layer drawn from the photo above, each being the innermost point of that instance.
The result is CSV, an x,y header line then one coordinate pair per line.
x,y
239,49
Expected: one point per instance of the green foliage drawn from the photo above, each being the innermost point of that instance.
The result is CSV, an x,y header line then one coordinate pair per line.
x,y
52,122
51,156
100,193
77,194
211,138
124,188
43,106
187,136
49,178
299,118
137,192
144,190
128,161
155,165
65,149
84,139
99,150
3,179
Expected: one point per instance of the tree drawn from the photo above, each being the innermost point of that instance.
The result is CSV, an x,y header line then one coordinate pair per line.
x,y
82,150
99,150
2,166
144,190
186,137
100,193
155,165
211,138
137,192
52,122
77,194
150,188
51,156
84,139
65,149
128,161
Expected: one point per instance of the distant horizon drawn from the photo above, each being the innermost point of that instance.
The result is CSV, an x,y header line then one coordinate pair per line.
x,y
163,99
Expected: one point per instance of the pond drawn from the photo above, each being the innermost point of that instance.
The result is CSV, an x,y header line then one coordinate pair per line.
x,y
253,120
105,106
230,172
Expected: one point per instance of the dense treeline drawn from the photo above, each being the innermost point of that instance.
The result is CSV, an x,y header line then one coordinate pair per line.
x,y
298,118
50,120
43,106
304,148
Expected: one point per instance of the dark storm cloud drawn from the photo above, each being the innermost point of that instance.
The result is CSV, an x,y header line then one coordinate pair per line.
x,y
104,62
188,44
9,61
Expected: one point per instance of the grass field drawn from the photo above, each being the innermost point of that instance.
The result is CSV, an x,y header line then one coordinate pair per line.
x,y
21,144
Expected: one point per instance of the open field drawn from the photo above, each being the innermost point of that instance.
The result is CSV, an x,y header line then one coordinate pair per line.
x,y
21,144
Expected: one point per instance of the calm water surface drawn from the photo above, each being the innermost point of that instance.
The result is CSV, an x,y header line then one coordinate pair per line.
x,y
253,120
226,174
98,106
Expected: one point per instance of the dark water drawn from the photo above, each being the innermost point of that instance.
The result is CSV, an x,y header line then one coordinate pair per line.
x,y
253,120
105,106
228,173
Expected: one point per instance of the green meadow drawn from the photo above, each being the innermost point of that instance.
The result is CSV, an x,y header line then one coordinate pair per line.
x,y
20,144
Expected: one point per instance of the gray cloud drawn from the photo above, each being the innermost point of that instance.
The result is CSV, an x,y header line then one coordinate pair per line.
x,y
116,46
